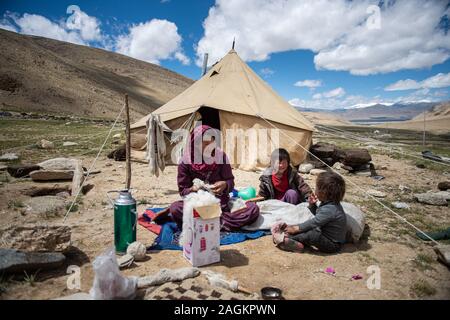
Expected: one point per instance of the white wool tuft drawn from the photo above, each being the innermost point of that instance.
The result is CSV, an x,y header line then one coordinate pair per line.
x,y
194,199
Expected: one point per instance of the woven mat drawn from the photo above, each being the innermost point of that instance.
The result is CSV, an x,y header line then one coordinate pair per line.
x,y
194,289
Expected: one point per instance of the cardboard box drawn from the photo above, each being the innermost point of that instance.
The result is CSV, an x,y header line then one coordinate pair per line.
x,y
203,245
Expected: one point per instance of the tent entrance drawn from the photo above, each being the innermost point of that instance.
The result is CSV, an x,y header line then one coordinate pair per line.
x,y
210,117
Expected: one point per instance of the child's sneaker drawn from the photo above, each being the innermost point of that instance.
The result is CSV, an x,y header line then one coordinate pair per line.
x,y
291,245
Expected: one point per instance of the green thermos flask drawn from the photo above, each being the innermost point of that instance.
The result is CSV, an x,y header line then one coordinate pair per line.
x,y
125,220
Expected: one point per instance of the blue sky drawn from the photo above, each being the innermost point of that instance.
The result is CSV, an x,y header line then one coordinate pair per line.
x,y
339,53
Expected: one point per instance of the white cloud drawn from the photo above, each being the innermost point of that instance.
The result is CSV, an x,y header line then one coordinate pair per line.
x,y
152,41
88,26
335,30
440,80
5,25
308,83
37,25
79,28
407,84
335,93
266,72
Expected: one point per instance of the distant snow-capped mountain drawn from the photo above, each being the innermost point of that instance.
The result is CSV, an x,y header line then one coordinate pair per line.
x,y
379,111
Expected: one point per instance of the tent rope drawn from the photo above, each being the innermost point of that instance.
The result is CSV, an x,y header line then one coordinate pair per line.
x,y
93,164
351,182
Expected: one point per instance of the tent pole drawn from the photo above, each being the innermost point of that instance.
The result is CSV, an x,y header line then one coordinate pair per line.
x,y
128,144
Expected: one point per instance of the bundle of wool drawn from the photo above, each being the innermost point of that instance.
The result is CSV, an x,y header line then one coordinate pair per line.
x,y
137,250
192,200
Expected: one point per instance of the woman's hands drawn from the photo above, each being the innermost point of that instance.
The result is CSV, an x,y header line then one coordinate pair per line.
x,y
219,187
194,188
291,230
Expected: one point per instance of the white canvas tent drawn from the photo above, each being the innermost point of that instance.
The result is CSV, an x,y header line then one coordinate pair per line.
x,y
231,96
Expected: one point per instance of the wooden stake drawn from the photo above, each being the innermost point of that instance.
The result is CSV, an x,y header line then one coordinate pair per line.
x,y
128,144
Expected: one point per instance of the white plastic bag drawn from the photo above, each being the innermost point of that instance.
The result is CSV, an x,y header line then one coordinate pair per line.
x,y
355,221
273,211
108,281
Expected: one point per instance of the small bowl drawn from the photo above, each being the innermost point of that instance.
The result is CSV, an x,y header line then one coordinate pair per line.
x,y
271,293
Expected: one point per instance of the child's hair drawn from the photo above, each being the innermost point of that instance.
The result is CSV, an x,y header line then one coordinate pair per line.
x,y
279,155
330,186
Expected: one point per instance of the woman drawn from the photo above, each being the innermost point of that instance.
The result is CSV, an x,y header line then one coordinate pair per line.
x,y
281,181
214,170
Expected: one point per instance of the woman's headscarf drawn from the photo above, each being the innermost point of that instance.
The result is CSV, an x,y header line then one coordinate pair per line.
x,y
196,139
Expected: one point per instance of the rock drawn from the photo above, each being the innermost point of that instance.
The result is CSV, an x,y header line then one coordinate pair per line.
x,y
12,260
117,136
31,237
45,144
348,168
440,198
355,157
9,157
404,189
118,154
364,173
443,253
323,150
376,193
400,205
337,166
36,191
19,171
443,186
316,172
46,205
59,164
69,144
63,194
420,166
47,175
305,167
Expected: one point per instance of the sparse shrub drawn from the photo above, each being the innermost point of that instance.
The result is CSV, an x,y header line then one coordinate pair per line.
x,y
423,289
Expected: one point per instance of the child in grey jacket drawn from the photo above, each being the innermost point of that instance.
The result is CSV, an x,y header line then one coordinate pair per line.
x,y
327,230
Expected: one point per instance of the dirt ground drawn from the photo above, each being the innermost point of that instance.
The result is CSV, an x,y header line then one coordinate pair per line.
x,y
408,266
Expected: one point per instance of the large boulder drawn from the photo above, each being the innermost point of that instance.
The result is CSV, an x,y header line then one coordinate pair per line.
x,y
59,164
440,198
45,206
49,175
36,238
355,157
12,260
